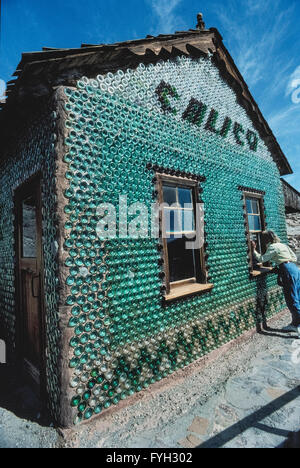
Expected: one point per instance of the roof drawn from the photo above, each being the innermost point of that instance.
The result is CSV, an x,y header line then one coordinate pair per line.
x,y
290,187
39,73
292,197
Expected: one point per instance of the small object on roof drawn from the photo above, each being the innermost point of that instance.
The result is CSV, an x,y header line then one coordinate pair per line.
x,y
200,23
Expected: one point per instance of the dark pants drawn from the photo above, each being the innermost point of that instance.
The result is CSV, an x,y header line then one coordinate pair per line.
x,y
290,278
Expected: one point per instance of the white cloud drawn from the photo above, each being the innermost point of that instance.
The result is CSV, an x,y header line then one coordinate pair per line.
x,y
294,82
256,37
2,89
258,7
278,83
164,10
286,121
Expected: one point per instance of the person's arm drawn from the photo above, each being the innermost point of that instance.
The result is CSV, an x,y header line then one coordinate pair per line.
x,y
257,256
267,257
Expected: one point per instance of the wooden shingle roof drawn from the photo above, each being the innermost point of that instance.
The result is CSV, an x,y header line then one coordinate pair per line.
x,y
39,73
292,197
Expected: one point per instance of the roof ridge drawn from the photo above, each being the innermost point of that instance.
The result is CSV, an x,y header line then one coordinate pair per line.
x,y
39,72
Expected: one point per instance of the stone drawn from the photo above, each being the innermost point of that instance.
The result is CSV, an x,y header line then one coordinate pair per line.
x,y
245,394
275,393
199,426
185,443
225,416
191,441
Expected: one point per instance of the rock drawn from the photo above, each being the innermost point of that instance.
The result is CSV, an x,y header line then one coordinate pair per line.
x,y
275,393
199,426
293,230
190,441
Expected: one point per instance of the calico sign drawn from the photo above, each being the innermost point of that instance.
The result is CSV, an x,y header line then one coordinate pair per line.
x,y
198,113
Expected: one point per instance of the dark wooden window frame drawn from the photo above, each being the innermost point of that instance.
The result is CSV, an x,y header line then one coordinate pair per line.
x,y
189,286
259,195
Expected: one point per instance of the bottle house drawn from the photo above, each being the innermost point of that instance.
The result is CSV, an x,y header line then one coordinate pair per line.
x,y
133,178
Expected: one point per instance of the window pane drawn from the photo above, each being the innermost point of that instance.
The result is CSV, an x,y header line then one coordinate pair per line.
x,y
257,240
251,222
169,194
188,223
258,243
257,223
255,206
172,219
184,196
181,260
29,237
249,205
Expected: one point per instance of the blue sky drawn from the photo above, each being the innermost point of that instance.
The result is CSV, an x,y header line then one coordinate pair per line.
x,y
261,35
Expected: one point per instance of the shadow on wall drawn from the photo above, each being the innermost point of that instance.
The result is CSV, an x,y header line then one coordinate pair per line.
x,y
262,303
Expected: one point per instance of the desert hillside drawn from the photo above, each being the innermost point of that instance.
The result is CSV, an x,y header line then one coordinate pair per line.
x,y
293,227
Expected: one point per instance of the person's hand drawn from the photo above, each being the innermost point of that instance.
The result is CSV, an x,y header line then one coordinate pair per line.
x,y
253,245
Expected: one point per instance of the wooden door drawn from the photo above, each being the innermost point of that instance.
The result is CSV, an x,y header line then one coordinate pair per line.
x,y
30,288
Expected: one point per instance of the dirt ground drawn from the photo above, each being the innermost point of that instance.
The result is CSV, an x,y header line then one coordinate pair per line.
x,y
247,396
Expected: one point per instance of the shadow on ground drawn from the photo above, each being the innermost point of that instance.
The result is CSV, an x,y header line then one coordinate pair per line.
x,y
253,421
293,441
268,331
19,398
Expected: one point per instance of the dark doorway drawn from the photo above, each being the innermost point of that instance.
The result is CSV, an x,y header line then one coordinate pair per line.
x,y
30,291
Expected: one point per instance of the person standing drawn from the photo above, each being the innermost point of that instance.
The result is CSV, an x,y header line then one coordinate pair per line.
x,y
289,274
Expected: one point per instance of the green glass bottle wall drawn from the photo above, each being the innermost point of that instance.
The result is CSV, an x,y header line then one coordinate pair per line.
x,y
31,151
124,338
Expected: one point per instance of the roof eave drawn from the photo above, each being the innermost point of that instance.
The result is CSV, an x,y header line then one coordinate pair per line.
x,y
39,72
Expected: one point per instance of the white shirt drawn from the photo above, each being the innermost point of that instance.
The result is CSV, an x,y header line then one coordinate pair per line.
x,y
277,253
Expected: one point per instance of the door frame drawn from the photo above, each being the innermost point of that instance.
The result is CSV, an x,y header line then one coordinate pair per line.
x,y
27,188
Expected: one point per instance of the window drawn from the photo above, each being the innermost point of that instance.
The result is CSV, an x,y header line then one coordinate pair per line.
x,y
182,229
179,226
29,226
255,221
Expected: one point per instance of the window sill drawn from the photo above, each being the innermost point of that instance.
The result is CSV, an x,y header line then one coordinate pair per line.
x,y
261,271
185,290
